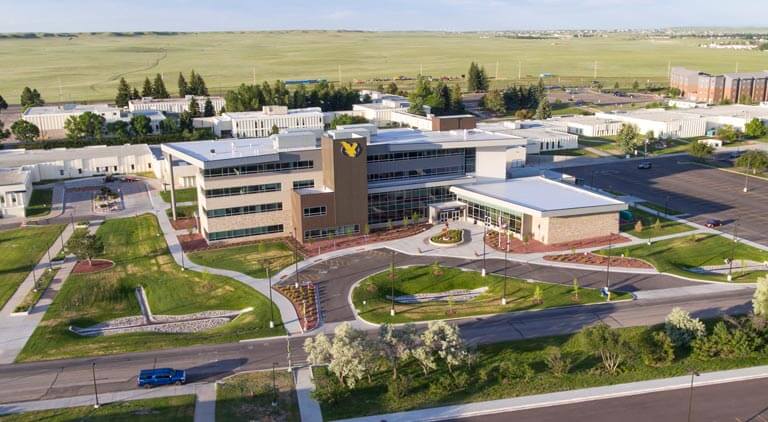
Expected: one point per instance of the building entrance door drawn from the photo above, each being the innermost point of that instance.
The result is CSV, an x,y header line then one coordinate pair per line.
x,y
443,217
456,215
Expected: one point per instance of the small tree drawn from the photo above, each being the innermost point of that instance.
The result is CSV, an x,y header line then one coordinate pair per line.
x,y
635,85
275,130
538,295
607,344
627,138
30,98
396,345
436,269
183,86
682,328
194,107
348,349
760,297
727,133
754,160
146,89
85,245
318,349
441,341
544,110
755,128
208,110
576,288
657,226
558,364
141,125
658,349
123,93
494,102
25,131
700,150
639,226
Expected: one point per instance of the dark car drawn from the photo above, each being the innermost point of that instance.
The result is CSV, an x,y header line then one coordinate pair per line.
x,y
735,154
645,165
713,222
149,378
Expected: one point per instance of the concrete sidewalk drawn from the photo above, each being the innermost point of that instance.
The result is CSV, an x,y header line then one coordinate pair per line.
x,y
287,311
309,408
568,397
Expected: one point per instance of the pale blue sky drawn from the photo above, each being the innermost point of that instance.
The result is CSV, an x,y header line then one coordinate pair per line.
x,y
456,15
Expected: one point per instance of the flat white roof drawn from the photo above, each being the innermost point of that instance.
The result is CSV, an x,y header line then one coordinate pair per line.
x,y
201,152
21,157
262,114
13,177
415,136
539,196
186,99
656,115
70,108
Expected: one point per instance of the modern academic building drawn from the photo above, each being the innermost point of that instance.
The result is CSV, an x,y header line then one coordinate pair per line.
x,y
316,185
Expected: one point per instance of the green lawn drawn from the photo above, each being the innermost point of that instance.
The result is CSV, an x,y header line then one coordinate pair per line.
x,y
44,280
142,258
166,409
185,211
20,250
248,259
660,208
182,195
484,381
249,395
375,289
675,256
40,203
667,226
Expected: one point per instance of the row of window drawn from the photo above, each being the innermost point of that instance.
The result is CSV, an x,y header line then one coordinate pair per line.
x,y
242,190
415,155
393,206
314,211
415,173
259,168
332,231
247,209
493,216
302,184
251,231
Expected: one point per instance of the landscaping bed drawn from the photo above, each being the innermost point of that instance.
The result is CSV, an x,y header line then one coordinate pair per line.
x,y
244,397
533,246
96,265
447,237
601,260
184,223
141,257
304,300
372,297
34,295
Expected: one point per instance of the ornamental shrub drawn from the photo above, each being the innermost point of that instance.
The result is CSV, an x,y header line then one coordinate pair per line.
x,y
682,328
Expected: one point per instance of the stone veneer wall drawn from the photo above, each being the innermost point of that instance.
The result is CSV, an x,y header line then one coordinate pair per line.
x,y
567,229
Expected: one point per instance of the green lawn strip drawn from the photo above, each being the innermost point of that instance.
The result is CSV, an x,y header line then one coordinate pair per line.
x,y
660,208
648,219
182,195
243,396
176,408
673,146
20,250
432,390
186,211
147,174
43,281
141,258
247,259
375,289
40,203
675,256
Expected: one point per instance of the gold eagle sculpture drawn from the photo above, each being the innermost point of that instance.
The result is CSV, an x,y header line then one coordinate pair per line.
x,y
350,149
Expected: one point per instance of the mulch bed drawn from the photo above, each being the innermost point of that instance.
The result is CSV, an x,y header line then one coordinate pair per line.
x,y
298,297
192,242
533,246
322,246
96,265
592,259
184,223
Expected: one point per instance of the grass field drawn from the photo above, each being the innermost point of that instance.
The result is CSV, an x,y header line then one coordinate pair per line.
x,y
166,409
677,255
182,195
375,289
141,258
46,63
244,396
247,259
20,250
666,226
40,203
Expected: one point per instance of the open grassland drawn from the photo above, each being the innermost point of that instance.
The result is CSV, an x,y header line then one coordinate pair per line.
x,y
228,59
252,259
370,297
166,409
20,250
141,258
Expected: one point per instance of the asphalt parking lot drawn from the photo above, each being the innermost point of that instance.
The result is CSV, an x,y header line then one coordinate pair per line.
x,y
702,192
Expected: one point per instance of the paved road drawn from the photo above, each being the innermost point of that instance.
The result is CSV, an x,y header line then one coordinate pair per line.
x,y
702,192
72,377
336,276
737,402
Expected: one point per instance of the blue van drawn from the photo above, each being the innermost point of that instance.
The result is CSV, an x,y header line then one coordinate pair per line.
x,y
149,378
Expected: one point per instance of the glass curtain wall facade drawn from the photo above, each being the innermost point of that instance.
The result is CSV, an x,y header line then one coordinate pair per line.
x,y
496,218
394,206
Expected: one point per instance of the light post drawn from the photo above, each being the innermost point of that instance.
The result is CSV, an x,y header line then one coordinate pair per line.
x,y
271,304
506,250
485,227
645,146
608,270
392,282
274,385
95,390
50,265
694,373
733,250
296,257
746,179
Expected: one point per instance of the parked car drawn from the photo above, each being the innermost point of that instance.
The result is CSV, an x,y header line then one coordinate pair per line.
x,y
713,222
644,165
149,378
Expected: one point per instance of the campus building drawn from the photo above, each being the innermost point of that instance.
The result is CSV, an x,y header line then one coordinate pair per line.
x,y
741,87
661,123
175,105
259,124
15,191
51,119
540,135
358,177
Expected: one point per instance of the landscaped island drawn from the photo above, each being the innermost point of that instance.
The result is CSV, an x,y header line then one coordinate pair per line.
x,y
448,237
413,283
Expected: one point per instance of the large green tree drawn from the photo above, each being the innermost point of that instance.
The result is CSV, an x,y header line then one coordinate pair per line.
x,y
754,160
85,126
146,89
4,133
119,128
627,138
185,121
197,85
182,84
544,110
141,125
755,128
25,131
158,88
123,93
477,81
208,110
700,150
30,98
493,101
194,107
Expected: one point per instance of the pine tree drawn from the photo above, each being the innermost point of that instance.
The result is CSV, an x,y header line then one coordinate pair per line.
x,y
457,106
123,93
544,110
208,110
30,98
146,89
194,107
197,85
3,104
183,86
135,94
158,88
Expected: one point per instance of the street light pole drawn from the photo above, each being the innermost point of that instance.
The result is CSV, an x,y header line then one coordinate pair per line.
x,y
95,390
690,395
485,227
392,283
733,250
746,179
271,304
608,270
296,256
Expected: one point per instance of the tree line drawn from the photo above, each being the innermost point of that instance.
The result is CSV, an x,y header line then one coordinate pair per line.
x,y
156,88
438,98
252,97
525,102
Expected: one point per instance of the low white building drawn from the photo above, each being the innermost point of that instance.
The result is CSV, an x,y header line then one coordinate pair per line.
x,y
663,123
591,126
175,105
539,135
259,124
381,106
736,115
15,191
50,119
